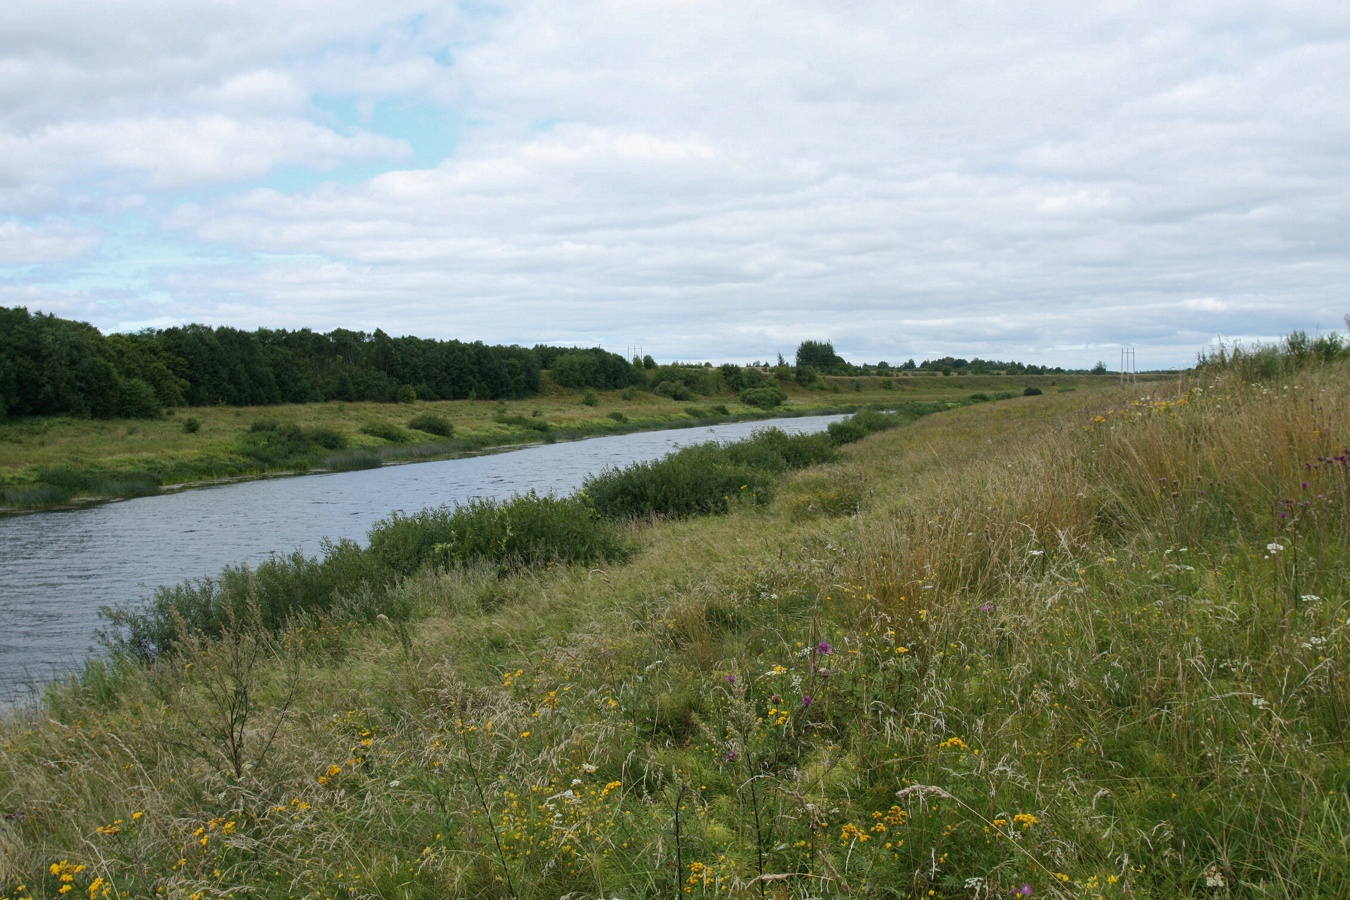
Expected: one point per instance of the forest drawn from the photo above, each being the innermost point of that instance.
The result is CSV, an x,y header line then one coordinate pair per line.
x,y
55,366
50,366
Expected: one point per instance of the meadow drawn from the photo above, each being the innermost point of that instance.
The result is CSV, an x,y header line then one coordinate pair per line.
x,y
1081,644
49,461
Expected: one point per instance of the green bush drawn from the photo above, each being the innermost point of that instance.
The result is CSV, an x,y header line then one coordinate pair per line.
x,y
673,390
870,421
386,432
768,397
431,424
526,530
531,424
269,444
191,425
589,399
1031,392
693,481
707,478
268,597
618,417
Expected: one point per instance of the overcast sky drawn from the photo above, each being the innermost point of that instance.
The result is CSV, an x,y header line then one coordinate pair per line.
x,y
706,180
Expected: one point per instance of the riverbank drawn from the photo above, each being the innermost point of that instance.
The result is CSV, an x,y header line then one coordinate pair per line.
x,y
50,462
1057,646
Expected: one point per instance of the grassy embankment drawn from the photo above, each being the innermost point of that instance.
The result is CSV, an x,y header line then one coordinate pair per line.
x,y
49,461
1077,645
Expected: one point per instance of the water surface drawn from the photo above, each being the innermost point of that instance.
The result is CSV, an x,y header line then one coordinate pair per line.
x,y
58,568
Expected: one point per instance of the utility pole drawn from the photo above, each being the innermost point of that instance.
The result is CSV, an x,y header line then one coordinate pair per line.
x,y
1128,371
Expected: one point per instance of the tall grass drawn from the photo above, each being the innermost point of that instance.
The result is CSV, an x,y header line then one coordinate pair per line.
x,y
1023,663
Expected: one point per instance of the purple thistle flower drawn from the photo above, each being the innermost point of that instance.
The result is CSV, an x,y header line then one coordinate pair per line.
x,y
733,755
824,648
986,607
731,679
824,673
806,700
1023,891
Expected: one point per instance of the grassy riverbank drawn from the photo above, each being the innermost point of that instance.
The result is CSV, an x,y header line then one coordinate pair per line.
x,y
1086,644
49,461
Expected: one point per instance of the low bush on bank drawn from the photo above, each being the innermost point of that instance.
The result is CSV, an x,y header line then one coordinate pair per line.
x,y
768,397
277,592
694,481
276,446
386,432
432,424
530,423
526,530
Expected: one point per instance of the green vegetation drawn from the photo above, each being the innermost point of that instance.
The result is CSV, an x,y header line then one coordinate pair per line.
x,y
218,442
432,424
1079,644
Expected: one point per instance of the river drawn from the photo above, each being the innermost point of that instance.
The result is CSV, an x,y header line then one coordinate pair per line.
x,y
58,568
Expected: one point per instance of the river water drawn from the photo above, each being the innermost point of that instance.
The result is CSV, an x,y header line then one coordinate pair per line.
x,y
58,568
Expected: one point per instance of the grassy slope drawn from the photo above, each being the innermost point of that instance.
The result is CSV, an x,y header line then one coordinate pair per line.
x,y
1060,654
109,449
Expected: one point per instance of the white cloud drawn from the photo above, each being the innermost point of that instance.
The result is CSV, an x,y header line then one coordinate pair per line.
x,y
46,242
932,178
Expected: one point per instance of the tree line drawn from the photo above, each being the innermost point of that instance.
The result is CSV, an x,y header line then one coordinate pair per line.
x,y
55,366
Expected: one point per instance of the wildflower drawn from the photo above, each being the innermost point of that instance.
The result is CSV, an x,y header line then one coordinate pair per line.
x,y
824,673
1274,548
731,679
806,700
824,648
733,755
1023,891
986,607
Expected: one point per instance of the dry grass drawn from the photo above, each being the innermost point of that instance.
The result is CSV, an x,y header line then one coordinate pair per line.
x,y
1014,655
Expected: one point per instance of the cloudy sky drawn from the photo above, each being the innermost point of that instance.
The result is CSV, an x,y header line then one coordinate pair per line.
x,y
705,180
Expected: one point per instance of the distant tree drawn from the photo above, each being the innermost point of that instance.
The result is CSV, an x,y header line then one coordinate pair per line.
x,y
1099,368
818,355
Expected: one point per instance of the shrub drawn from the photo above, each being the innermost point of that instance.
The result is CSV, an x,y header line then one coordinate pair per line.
x,y
768,397
674,390
618,417
1031,392
524,531
589,399
386,432
270,596
692,481
870,421
431,424
191,425
531,424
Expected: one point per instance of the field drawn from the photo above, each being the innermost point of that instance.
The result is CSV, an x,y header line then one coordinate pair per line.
x,y
1083,644
49,461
